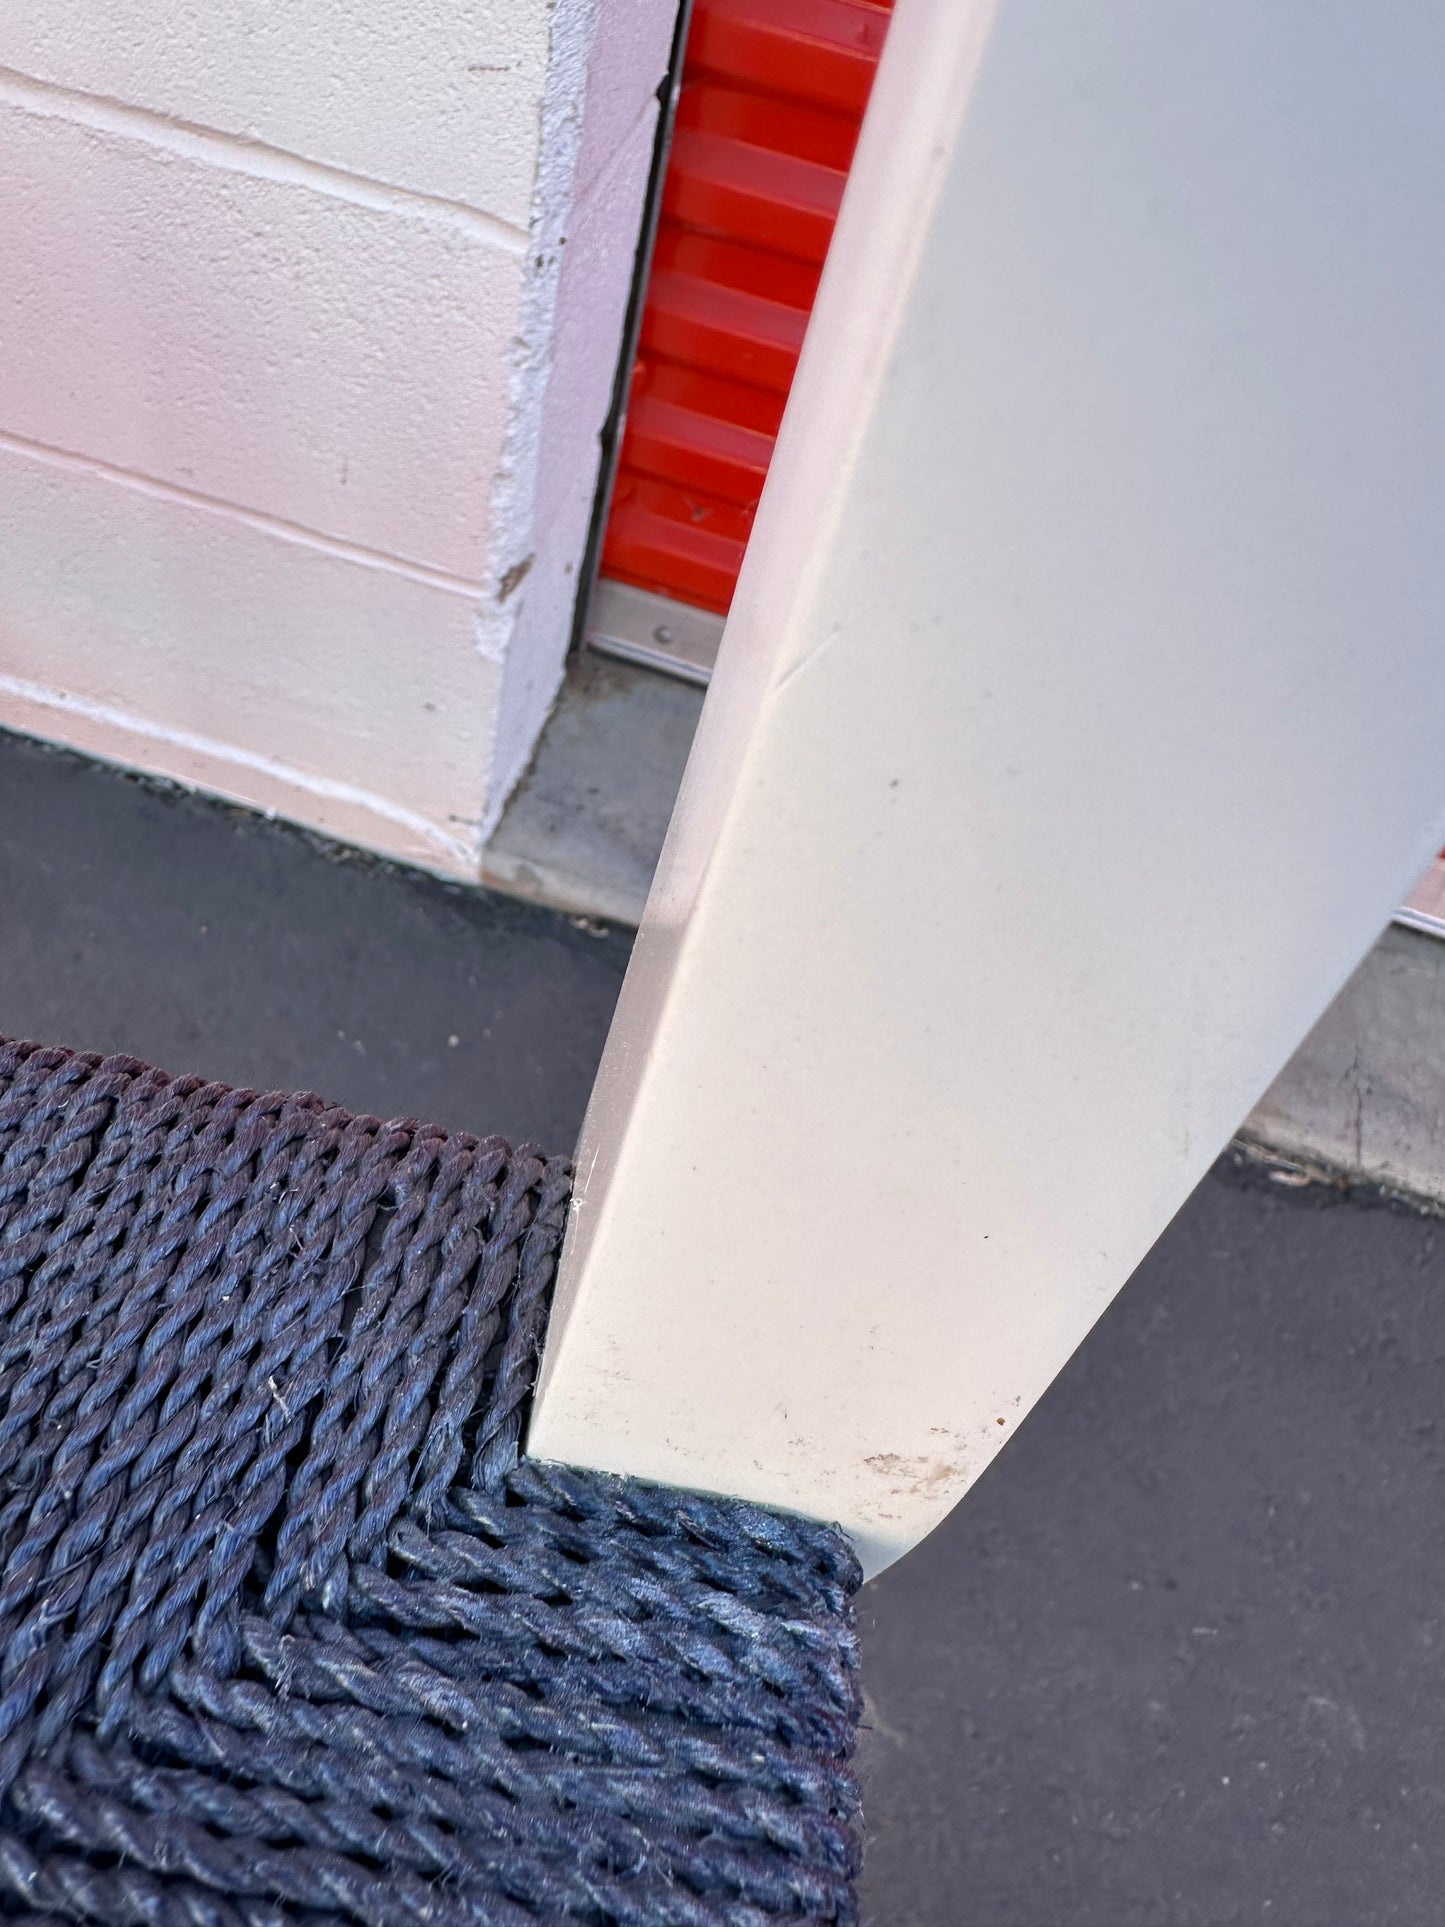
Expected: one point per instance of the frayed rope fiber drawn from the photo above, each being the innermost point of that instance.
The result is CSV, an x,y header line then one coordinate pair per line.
x,y
288,1633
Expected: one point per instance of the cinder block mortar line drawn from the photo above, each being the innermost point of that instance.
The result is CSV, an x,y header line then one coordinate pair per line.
x,y
264,524
235,154
64,702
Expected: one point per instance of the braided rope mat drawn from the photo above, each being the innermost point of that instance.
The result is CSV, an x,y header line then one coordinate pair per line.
x,y
288,1634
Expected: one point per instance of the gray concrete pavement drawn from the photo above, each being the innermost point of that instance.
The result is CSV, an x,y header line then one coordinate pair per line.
x,y
207,939
1178,1659
584,827
1365,1091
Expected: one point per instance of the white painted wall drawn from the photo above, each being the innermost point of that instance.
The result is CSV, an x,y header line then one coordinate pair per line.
x,y
308,323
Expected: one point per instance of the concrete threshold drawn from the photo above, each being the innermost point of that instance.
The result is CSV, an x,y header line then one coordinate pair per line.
x,y
1363,1097
584,828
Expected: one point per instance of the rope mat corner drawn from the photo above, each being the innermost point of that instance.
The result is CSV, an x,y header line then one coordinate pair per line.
x,y
288,1631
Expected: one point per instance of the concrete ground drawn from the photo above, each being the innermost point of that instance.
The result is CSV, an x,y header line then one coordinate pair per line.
x,y
1177,1660
207,939
583,829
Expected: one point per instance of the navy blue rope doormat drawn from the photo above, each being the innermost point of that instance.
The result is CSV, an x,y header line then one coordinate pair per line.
x,y
288,1633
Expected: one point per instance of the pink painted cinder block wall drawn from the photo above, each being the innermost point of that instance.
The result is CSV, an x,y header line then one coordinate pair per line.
x,y
308,325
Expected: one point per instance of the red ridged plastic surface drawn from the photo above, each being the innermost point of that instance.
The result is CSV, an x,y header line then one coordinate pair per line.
x,y
773,93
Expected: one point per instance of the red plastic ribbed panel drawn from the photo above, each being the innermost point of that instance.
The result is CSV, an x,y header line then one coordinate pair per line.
x,y
773,93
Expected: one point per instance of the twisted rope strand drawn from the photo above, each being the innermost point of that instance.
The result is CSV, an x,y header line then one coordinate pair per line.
x,y
289,1634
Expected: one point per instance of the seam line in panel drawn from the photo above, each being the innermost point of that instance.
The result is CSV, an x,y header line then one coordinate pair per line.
x,y
273,525
235,154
